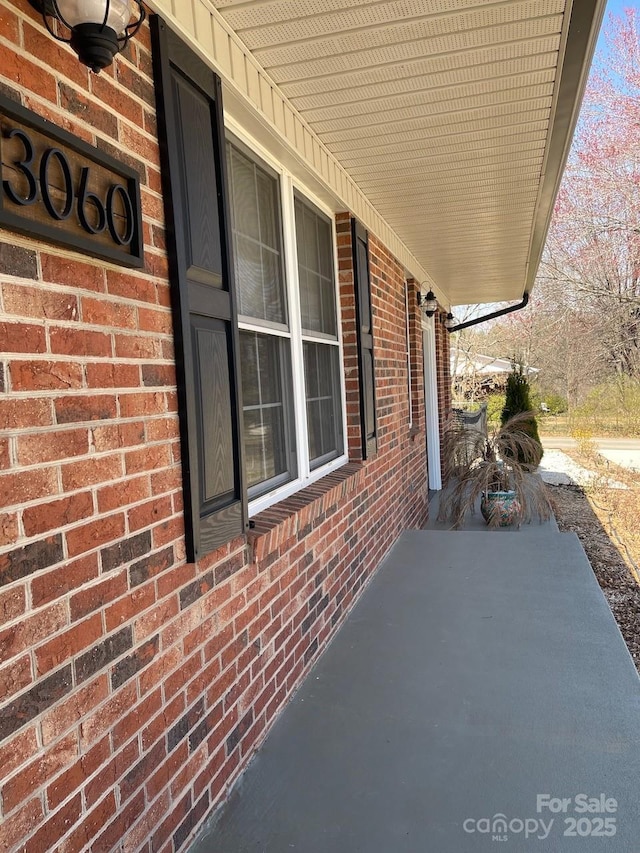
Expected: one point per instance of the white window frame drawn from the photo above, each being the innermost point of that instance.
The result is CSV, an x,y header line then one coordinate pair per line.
x,y
288,184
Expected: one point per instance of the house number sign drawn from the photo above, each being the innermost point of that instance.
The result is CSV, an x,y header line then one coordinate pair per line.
x,y
58,188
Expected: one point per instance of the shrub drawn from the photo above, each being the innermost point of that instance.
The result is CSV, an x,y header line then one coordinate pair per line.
x,y
517,402
495,405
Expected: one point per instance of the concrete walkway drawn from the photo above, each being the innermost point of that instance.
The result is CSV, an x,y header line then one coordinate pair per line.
x,y
479,676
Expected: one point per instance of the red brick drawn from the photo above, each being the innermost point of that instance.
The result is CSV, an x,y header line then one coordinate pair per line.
x,y
68,340
102,720
161,429
120,494
158,375
105,375
73,273
90,826
87,600
16,751
151,818
168,532
85,408
89,110
49,516
94,534
17,827
155,320
8,529
37,303
137,346
77,774
21,786
40,44
136,719
155,619
28,75
22,337
15,677
67,713
9,25
117,98
102,312
32,449
28,485
56,826
25,413
5,458
147,458
157,265
70,576
112,772
169,480
131,286
114,436
148,403
45,375
131,605
175,578
149,513
89,472
12,604
118,827
31,631
54,115
66,645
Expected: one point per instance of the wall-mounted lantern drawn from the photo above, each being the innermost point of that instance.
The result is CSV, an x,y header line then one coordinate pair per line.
x,y
97,29
428,303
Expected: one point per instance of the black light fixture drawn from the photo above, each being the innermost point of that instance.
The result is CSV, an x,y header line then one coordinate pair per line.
x,y
98,29
449,322
428,303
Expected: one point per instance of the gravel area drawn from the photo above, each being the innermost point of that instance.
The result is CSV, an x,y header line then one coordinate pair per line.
x,y
558,469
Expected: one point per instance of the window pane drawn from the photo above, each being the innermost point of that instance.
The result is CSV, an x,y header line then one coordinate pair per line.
x,y
255,212
315,270
324,414
267,436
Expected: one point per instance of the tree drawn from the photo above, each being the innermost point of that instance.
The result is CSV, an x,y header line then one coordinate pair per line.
x,y
518,402
591,263
582,325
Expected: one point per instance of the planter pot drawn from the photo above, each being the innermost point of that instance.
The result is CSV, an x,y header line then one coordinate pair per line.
x,y
502,509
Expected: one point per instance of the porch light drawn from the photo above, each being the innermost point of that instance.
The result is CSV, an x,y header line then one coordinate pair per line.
x,y
449,322
428,303
98,29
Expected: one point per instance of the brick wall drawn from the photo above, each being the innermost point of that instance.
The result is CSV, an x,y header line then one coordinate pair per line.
x,y
135,686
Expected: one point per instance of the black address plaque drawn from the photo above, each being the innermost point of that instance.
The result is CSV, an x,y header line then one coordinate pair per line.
x,y
59,188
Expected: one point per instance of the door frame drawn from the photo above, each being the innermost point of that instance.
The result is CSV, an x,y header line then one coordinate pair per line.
x,y
431,413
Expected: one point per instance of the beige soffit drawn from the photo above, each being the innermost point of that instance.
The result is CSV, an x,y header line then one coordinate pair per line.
x,y
443,125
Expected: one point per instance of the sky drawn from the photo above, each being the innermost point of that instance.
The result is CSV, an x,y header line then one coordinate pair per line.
x,y
616,7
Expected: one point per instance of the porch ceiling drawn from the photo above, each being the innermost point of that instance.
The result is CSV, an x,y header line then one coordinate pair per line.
x,y
453,116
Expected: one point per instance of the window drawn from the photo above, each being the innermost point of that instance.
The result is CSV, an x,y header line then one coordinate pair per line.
x,y
319,334
265,349
290,348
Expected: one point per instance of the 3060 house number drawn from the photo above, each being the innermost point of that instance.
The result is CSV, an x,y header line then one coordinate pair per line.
x,y
58,187
94,214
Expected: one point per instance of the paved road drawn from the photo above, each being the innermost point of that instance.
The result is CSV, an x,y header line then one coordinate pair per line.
x,y
621,451
564,442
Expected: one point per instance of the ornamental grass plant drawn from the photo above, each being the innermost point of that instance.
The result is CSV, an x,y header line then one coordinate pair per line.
x,y
504,460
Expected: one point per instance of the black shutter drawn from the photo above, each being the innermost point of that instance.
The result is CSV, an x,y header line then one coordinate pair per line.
x,y
360,241
191,133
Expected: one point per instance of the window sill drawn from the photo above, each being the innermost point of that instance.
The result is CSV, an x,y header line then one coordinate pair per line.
x,y
298,514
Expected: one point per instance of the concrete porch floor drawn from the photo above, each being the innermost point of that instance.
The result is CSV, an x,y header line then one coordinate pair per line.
x,y
477,672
